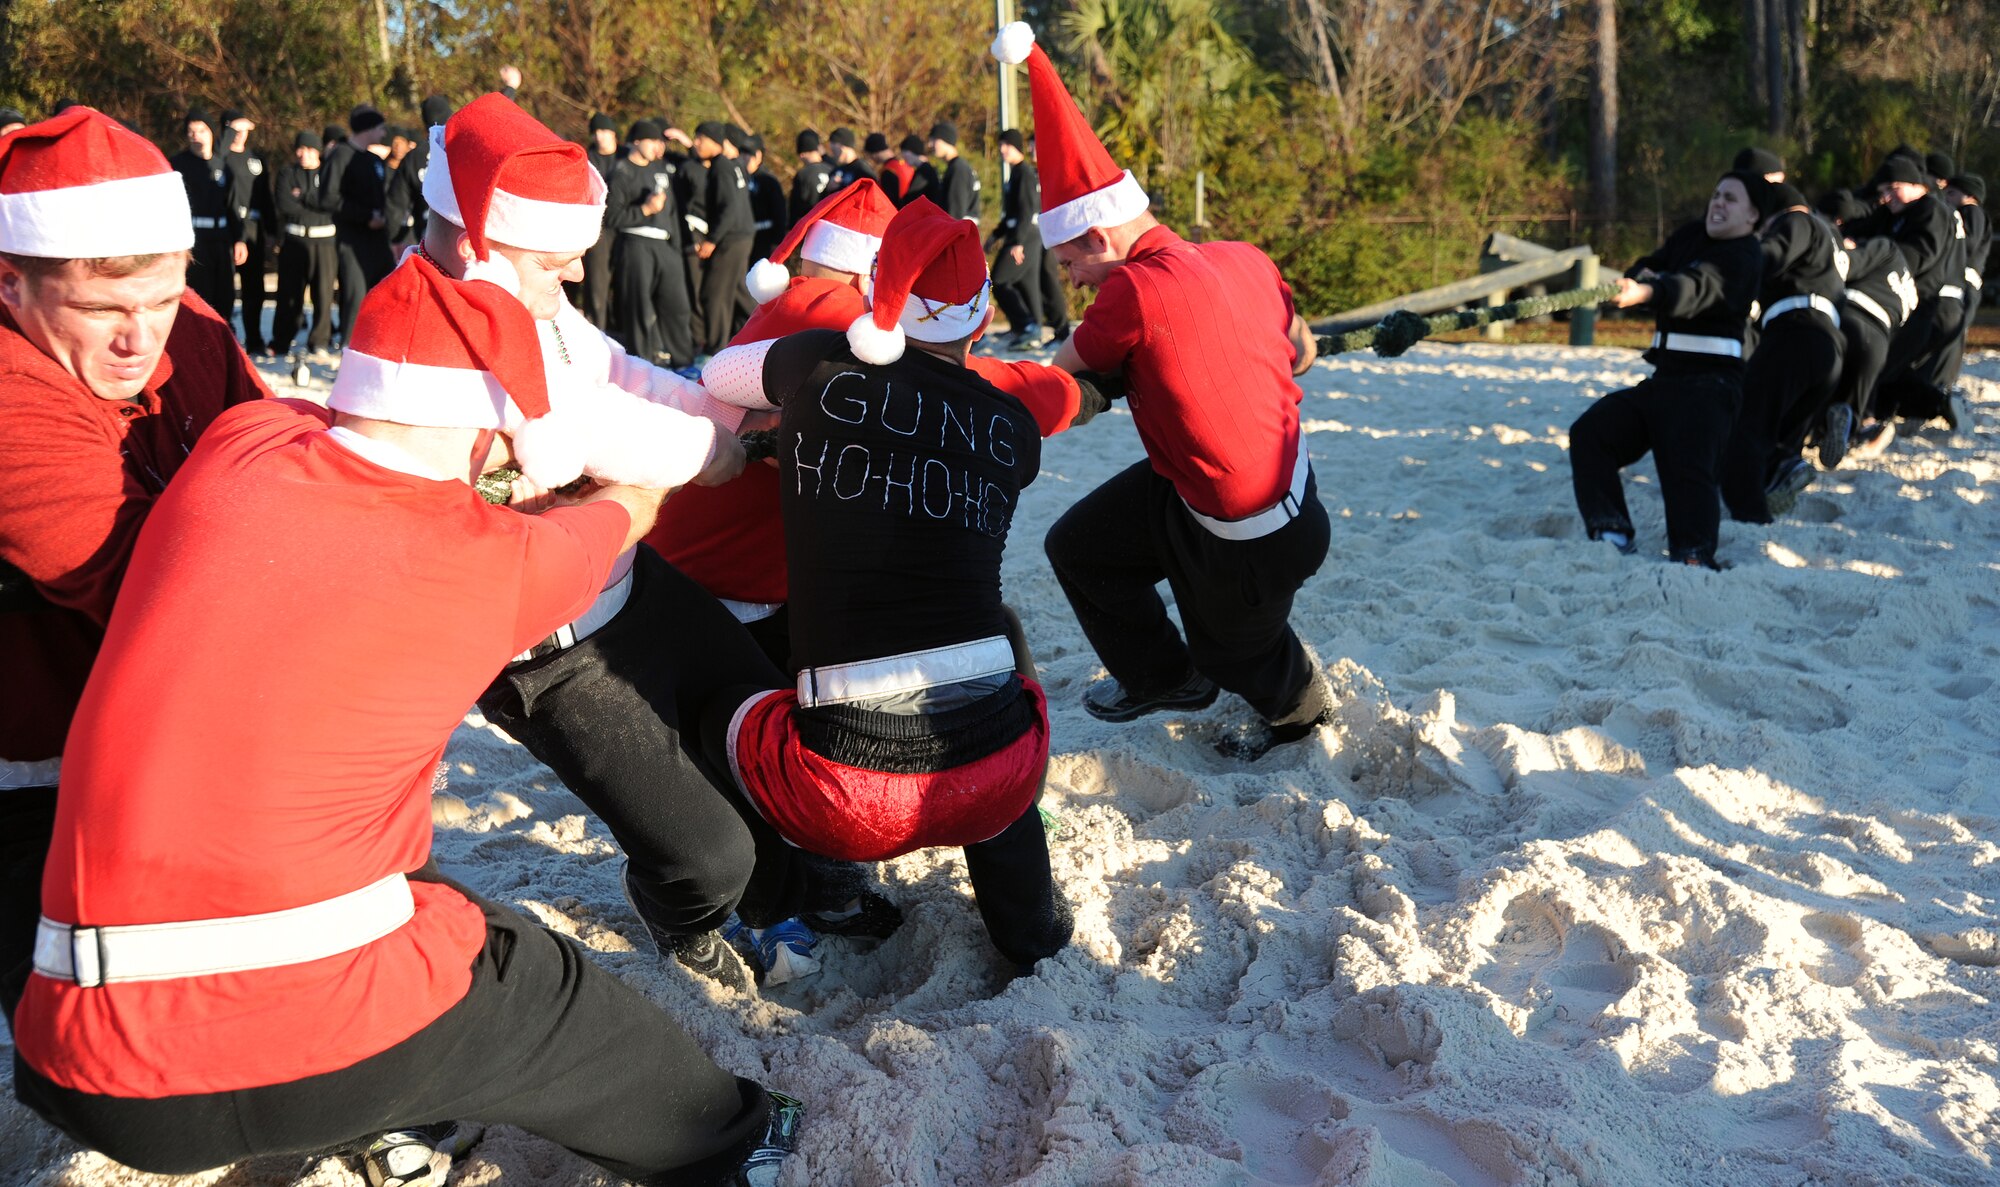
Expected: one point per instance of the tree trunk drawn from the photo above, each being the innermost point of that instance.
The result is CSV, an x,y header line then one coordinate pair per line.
x,y
1753,54
1774,64
1604,115
382,29
1801,89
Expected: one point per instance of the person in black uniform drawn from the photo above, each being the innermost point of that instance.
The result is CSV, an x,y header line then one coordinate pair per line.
x,y
404,210
724,246
768,206
307,256
1794,373
876,151
593,294
923,178
1879,296
355,174
1055,291
218,233
1700,285
1968,192
737,145
849,166
1017,264
1759,162
649,309
814,180
250,197
958,185
1932,238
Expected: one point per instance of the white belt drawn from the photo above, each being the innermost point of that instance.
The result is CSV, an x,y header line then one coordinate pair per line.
x,y
762,224
646,232
1270,519
592,620
305,232
93,956
41,773
1951,291
1699,344
1973,280
698,225
1802,301
750,611
1868,305
209,224
907,672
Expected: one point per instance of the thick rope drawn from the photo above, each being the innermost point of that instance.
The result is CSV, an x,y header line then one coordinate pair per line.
x,y
1402,329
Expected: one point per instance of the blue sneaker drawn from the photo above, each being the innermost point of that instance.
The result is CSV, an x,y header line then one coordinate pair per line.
x,y
781,1137
781,952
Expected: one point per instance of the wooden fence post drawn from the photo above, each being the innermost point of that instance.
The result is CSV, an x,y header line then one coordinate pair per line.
x,y
1583,319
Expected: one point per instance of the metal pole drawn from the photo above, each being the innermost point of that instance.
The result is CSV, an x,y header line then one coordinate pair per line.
x,y
1003,15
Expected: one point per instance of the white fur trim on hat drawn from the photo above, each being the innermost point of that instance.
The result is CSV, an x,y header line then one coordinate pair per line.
x,y
132,216
843,249
438,194
1114,205
767,281
928,323
419,394
552,449
873,344
534,225
1013,43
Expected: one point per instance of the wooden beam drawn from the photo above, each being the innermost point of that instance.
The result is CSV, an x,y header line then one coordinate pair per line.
x,y
1458,292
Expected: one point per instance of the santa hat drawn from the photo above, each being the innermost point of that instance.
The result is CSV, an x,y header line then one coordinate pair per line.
x,y
429,350
82,186
1081,187
843,232
504,176
930,284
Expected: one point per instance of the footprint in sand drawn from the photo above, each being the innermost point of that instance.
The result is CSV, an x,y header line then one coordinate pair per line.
x,y
1964,688
1844,961
1581,970
1262,1116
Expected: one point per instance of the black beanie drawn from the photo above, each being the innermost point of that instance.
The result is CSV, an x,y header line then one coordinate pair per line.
x,y
806,141
1757,188
712,130
602,123
332,132
436,110
737,137
875,143
200,115
946,131
1784,196
1013,136
912,143
307,139
9,116
1843,207
646,130
1940,164
230,116
844,137
1900,168
1972,186
753,144
1757,160
1904,150
362,118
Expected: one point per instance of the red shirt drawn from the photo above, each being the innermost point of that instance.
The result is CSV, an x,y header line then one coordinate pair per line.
x,y
81,473
1200,331
902,171
299,632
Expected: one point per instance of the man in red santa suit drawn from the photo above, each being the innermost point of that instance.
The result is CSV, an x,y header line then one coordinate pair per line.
x,y
914,719
110,368
1224,507
607,699
245,948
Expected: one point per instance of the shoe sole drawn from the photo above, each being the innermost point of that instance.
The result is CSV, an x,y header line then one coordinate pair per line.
x,y
1834,438
1187,704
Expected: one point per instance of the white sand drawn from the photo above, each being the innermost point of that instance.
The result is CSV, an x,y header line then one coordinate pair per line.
x,y
1610,872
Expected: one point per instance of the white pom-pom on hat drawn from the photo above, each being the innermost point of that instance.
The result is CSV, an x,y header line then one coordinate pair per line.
x,y
873,344
1014,43
767,281
552,448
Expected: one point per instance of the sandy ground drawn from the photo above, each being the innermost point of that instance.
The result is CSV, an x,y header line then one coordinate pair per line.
x,y
1609,872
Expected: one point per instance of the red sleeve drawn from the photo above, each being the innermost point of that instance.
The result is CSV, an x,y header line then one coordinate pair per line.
x,y
1050,393
1111,327
568,554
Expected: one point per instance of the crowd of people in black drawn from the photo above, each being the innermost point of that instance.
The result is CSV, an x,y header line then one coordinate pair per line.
x,y
1785,326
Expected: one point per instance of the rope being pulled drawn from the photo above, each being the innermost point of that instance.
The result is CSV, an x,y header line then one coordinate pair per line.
x,y
1402,329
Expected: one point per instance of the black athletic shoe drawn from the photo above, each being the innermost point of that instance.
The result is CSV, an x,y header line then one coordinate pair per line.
x,y
706,953
781,1137
1107,700
1783,494
870,917
1834,435
416,1157
1260,739
1059,336
1958,411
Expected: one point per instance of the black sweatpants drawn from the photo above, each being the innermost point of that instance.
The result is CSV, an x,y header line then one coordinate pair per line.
x,y
364,260
212,271
617,717
1683,418
1121,540
27,826
1867,349
596,303
1947,352
1789,381
1906,388
544,1039
250,275
1018,287
1055,298
721,278
304,263
650,315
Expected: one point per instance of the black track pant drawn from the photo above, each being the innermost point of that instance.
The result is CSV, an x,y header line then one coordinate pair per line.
x,y
1906,388
1683,418
617,717
544,1039
212,271
721,279
1867,349
596,286
1055,298
27,825
304,263
1121,540
1789,381
250,274
649,309
1018,287
364,261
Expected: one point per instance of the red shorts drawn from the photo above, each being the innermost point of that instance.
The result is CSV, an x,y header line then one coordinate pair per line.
x,y
856,814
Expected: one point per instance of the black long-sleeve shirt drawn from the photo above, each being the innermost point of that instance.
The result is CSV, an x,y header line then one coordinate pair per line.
x,y
724,205
769,209
1978,243
630,186
1021,207
958,191
1702,286
249,187
1800,258
301,197
813,181
208,191
404,211
1930,238
1877,271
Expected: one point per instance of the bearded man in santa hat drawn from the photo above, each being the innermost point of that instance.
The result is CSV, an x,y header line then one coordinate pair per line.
x,y
245,948
1224,508
110,370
